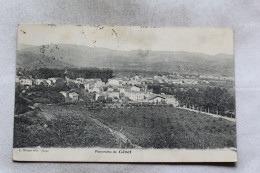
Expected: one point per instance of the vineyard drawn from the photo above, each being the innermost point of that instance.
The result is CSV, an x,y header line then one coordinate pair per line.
x,y
167,127
63,130
153,127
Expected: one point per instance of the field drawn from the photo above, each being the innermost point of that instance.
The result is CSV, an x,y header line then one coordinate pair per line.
x,y
44,130
150,127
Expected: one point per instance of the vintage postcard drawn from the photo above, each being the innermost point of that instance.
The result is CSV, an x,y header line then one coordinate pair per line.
x,y
124,94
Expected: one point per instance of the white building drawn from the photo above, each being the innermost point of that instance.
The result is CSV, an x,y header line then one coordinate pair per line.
x,y
70,96
176,81
135,95
68,80
172,100
39,81
122,90
91,87
205,81
133,82
64,93
227,78
104,94
134,88
98,90
48,82
99,83
113,94
81,80
17,79
87,86
107,94
110,89
137,78
53,80
190,81
26,82
156,99
113,82
73,97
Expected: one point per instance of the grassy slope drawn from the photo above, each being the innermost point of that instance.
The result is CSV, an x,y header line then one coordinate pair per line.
x,y
61,130
156,127
165,127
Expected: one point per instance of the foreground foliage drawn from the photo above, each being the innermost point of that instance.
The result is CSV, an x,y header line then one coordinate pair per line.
x,y
166,127
150,127
31,130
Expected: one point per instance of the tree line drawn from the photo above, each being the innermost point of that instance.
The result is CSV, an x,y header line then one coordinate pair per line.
x,y
215,100
44,73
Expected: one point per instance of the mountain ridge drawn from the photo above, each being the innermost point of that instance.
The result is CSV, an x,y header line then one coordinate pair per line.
x,y
175,62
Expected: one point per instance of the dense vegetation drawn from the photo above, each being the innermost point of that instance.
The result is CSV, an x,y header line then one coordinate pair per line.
x,y
38,94
47,94
166,127
37,129
153,127
215,100
73,73
208,99
137,72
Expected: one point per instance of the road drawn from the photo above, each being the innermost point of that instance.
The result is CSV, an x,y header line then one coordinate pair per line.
x,y
120,137
206,113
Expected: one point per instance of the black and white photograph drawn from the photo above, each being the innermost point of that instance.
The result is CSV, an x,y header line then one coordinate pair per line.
x,y
124,94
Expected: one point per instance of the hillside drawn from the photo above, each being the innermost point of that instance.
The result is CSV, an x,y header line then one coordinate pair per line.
x,y
175,62
30,60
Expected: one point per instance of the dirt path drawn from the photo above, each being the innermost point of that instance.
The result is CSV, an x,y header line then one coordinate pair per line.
x,y
120,137
213,115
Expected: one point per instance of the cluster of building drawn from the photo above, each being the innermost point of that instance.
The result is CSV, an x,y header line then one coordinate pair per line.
x,y
125,89
122,90
217,77
116,89
30,82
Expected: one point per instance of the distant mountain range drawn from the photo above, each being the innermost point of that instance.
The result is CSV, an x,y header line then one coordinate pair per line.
x,y
64,55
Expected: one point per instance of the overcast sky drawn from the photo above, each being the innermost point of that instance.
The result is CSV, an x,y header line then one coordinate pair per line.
x,y
210,41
